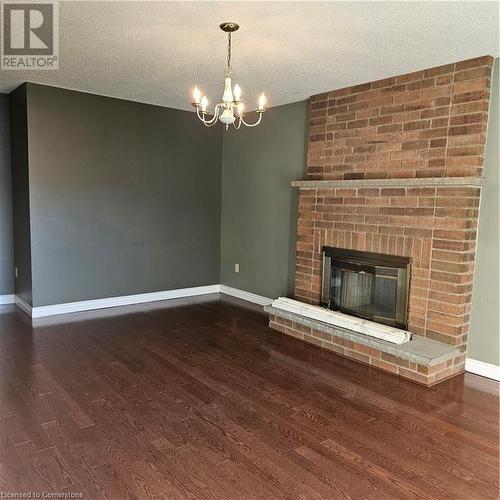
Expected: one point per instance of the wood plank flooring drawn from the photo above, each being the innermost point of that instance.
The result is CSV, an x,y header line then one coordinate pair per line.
x,y
198,398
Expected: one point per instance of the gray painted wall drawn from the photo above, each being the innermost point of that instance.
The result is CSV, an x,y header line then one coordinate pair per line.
x,y
259,216
484,338
6,243
124,197
118,186
259,207
20,192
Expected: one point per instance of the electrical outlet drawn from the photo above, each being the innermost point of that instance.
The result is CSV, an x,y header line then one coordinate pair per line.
x,y
16,273
236,268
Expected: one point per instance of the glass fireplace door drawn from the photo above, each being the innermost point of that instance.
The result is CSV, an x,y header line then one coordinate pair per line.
x,y
367,285
385,296
353,290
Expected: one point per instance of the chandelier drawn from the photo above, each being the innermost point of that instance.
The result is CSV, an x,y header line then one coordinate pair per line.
x,y
232,108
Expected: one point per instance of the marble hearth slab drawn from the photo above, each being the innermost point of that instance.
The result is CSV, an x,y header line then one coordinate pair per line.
x,y
419,350
397,183
335,318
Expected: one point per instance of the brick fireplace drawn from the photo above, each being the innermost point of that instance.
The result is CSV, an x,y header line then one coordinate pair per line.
x,y
395,167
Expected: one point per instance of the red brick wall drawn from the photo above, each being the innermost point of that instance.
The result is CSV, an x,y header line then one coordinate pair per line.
x,y
430,123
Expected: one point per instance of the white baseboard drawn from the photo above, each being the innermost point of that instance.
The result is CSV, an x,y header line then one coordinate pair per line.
x,y
7,299
23,305
487,370
248,296
125,300
88,305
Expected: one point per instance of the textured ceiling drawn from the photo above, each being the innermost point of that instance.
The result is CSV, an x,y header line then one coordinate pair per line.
x,y
155,51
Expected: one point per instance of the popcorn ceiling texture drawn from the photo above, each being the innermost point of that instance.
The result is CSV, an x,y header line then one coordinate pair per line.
x,y
155,52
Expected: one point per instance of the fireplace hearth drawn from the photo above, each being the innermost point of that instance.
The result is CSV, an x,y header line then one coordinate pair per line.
x,y
367,285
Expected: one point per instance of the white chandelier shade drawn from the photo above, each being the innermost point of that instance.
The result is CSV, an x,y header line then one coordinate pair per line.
x,y
231,110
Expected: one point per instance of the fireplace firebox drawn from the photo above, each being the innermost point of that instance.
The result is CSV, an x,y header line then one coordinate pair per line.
x,y
367,285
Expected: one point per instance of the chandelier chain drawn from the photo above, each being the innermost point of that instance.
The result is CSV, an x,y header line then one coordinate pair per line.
x,y
228,68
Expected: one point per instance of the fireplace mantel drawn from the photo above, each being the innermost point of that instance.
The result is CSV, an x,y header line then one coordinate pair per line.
x,y
396,183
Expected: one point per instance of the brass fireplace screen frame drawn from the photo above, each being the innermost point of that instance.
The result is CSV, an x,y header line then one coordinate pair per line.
x,y
378,265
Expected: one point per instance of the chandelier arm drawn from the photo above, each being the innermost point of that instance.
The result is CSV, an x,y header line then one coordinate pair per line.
x,y
201,116
216,113
213,120
253,124
198,114
209,123
237,127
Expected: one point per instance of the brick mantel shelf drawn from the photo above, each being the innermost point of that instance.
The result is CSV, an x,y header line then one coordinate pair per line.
x,y
396,183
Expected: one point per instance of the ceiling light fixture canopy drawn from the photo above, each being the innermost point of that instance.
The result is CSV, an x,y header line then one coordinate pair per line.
x,y
232,108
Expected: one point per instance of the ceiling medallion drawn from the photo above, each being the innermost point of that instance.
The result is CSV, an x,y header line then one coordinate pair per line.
x,y
232,108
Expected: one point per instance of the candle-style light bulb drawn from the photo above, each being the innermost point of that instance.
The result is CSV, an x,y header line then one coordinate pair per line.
x,y
262,102
204,103
240,108
196,95
237,93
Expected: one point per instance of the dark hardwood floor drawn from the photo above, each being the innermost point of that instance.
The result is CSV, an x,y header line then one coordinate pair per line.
x,y
198,399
